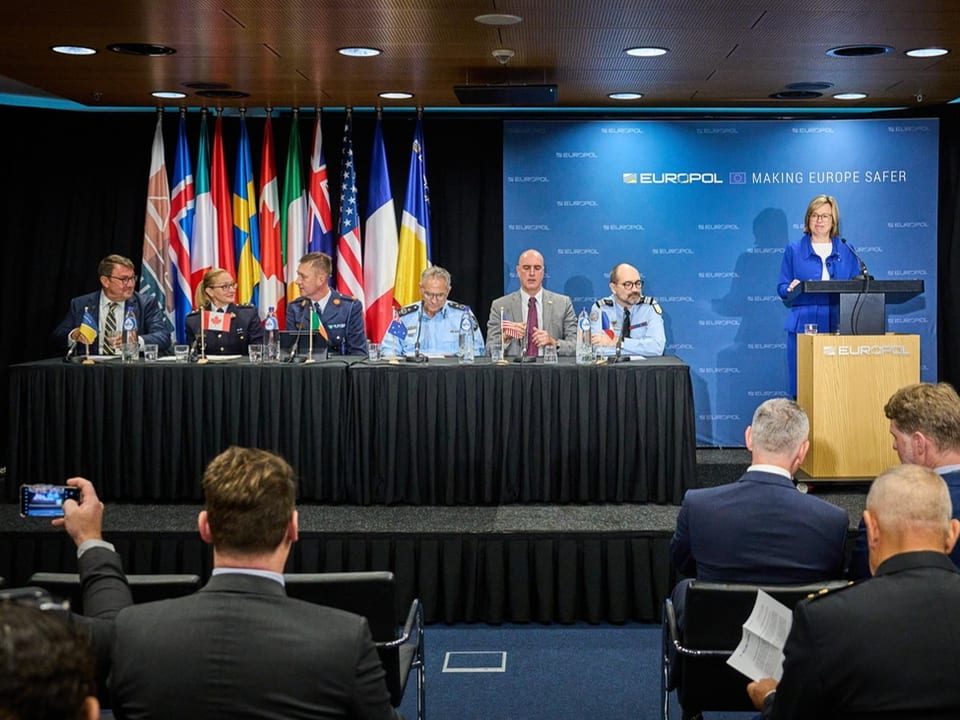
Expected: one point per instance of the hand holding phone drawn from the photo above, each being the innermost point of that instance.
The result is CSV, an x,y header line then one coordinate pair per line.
x,y
46,500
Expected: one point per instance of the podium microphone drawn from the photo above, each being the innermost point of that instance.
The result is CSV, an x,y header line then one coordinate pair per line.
x,y
863,266
417,357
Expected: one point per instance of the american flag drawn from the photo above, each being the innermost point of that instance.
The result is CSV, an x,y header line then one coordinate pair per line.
x,y
511,329
349,257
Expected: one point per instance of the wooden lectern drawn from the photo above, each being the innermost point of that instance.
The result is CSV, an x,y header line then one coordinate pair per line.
x,y
843,382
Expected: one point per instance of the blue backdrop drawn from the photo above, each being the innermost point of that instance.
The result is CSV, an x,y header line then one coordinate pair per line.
x,y
704,210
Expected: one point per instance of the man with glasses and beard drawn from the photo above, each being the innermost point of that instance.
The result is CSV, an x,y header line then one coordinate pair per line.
x,y
626,320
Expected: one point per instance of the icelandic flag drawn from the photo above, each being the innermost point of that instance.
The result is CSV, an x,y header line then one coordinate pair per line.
x,y
182,210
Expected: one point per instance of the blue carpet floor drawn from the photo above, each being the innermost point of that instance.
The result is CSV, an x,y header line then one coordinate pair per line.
x,y
544,672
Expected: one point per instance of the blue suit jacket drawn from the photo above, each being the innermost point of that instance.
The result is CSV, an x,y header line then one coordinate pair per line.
x,y
342,317
860,559
760,529
150,324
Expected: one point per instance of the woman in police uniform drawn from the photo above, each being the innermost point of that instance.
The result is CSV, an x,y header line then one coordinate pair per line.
x,y
238,326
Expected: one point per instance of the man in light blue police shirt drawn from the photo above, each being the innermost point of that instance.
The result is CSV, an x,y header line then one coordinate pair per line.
x,y
627,318
434,322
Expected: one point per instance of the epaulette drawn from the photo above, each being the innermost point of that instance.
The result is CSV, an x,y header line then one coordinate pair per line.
x,y
456,305
823,592
604,301
652,302
408,309
245,306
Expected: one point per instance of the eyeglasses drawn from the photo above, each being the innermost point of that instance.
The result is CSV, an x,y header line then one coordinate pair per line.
x,y
127,280
815,218
631,284
434,296
225,286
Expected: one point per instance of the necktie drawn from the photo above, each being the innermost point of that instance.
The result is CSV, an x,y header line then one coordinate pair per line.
x,y
110,329
532,321
626,323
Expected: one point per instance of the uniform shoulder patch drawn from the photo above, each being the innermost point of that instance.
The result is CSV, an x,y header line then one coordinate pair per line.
x,y
652,302
408,309
604,302
823,592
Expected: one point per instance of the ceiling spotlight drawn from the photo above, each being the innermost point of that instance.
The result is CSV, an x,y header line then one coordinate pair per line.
x,y
927,52
396,95
646,51
859,51
850,96
73,50
141,49
503,55
498,19
359,51
168,94
625,95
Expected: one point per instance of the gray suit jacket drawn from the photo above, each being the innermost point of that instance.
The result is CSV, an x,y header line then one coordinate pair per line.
x,y
558,320
240,648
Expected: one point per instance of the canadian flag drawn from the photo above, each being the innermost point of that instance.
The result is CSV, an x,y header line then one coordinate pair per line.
x,y
216,320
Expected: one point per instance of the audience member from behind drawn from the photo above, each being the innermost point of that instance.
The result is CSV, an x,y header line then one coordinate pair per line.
x,y
238,326
925,426
240,648
46,668
108,307
761,529
886,647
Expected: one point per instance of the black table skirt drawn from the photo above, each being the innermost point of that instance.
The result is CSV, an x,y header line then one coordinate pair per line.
x,y
429,434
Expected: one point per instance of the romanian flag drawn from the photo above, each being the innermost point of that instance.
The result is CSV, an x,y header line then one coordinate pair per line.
x,y
215,320
88,327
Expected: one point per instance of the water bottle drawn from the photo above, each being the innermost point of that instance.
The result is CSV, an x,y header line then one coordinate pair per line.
x,y
584,346
466,351
271,338
130,346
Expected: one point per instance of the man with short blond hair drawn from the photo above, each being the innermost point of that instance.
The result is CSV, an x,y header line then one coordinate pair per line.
x,y
925,427
341,315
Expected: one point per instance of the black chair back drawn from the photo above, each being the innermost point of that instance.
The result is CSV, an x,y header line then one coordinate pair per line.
x,y
143,588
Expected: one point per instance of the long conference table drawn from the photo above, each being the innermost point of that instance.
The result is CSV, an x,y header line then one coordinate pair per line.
x,y
360,432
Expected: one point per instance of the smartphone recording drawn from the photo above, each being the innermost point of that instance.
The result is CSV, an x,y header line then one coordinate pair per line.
x,y
45,500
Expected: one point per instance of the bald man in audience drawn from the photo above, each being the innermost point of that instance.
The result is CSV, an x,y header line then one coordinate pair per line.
x,y
884,647
925,427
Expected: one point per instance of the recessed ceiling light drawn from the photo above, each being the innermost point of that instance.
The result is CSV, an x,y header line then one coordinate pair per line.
x,y
927,52
859,51
168,94
359,51
625,95
142,49
850,96
498,19
795,95
646,51
223,94
396,95
73,50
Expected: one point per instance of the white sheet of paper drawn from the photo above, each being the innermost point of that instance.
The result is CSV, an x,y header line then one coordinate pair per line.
x,y
760,652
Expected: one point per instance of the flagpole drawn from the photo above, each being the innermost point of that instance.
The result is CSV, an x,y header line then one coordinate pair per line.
x,y
203,336
87,360
310,337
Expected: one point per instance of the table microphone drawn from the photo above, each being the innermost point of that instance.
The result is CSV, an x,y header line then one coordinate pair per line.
x,y
417,357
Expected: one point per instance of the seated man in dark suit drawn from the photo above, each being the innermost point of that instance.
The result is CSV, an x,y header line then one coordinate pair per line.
x,y
341,315
925,426
884,647
108,307
240,648
761,529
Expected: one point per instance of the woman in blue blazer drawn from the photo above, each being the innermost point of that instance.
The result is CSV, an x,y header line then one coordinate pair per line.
x,y
818,255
